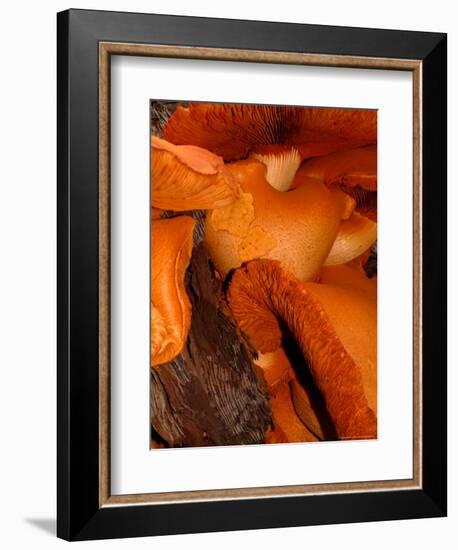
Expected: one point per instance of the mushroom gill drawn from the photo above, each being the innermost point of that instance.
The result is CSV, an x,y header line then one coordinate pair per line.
x,y
334,326
171,248
234,130
297,228
281,164
188,177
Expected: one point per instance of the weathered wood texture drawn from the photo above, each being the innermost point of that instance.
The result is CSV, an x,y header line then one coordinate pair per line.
x,y
161,111
210,394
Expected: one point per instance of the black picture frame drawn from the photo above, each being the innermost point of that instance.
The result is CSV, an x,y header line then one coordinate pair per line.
x,y
80,516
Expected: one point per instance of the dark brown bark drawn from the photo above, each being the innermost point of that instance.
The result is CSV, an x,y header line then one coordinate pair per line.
x,y
210,394
161,111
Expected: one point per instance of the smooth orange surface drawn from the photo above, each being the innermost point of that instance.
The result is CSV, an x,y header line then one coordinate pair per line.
x,y
288,427
171,248
354,237
298,227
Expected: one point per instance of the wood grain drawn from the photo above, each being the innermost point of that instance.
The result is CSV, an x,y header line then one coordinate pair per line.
x,y
209,394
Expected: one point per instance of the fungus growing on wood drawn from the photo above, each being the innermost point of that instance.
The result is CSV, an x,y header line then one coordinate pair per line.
x,y
297,228
287,201
209,394
187,177
334,327
171,247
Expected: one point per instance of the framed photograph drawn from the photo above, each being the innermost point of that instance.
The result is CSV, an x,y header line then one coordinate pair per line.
x,y
251,275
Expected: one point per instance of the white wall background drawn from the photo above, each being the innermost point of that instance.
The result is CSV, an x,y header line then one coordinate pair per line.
x,y
27,274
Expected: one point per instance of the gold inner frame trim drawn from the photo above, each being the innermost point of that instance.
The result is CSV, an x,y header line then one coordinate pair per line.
x,y
106,50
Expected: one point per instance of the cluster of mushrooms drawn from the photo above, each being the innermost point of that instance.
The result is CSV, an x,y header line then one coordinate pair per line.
x,y
290,196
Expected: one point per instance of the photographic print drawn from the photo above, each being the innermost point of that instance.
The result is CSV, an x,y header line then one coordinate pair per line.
x,y
263,274
217,216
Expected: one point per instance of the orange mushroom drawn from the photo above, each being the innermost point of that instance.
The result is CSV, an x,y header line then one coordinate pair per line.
x,y
294,421
172,240
279,136
334,326
188,177
156,213
312,415
234,130
354,238
275,367
288,426
297,228
349,277
273,206
354,172
352,167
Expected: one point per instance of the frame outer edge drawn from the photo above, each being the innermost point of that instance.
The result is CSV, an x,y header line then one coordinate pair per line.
x,y
195,31
434,261
63,433
78,516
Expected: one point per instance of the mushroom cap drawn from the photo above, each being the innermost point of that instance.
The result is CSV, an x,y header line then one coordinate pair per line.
x,y
350,167
171,248
334,326
349,276
187,177
297,228
233,130
354,172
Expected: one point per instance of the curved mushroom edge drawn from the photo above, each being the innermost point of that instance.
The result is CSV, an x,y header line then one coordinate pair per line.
x,y
172,242
354,238
262,295
189,178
